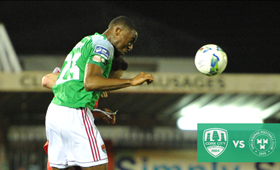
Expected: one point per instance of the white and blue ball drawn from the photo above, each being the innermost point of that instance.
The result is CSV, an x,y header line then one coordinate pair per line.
x,y
210,60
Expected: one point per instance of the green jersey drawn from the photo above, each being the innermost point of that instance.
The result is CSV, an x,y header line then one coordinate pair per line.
x,y
69,90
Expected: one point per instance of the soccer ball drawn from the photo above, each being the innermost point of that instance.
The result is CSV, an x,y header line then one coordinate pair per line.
x,y
210,60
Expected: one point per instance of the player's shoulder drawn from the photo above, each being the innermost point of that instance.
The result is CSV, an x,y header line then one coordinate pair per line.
x,y
96,39
102,46
100,39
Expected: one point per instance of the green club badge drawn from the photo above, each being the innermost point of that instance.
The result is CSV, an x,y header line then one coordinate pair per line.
x,y
215,141
262,142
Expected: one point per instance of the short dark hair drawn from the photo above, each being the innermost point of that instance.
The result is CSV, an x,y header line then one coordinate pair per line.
x,y
119,64
123,20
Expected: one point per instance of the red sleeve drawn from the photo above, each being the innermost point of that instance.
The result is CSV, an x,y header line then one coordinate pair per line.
x,y
46,150
96,104
48,165
46,147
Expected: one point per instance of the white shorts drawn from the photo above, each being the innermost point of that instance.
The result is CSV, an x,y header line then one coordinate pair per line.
x,y
74,140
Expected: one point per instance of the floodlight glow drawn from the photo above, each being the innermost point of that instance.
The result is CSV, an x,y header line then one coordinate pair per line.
x,y
184,123
214,114
227,109
272,109
190,123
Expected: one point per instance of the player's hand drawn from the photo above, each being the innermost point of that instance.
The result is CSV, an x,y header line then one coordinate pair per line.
x,y
106,114
56,70
142,78
104,95
112,118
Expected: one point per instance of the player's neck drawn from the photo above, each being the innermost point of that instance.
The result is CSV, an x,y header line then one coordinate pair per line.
x,y
109,36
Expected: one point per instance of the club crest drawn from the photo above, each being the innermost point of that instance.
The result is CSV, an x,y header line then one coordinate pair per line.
x,y
103,148
262,142
215,141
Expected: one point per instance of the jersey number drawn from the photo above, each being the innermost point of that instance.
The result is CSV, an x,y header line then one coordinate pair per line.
x,y
70,71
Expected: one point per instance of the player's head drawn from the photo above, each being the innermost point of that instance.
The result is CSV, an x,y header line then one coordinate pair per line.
x,y
122,34
119,65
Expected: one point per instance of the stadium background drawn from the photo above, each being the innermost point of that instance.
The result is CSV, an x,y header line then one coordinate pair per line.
x,y
170,33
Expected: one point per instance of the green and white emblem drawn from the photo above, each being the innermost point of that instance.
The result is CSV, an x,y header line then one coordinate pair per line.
x,y
262,142
215,141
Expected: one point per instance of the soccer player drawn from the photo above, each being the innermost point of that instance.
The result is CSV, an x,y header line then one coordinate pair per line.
x,y
73,138
119,65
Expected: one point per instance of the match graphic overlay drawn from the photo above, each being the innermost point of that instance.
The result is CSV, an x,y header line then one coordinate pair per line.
x,y
238,142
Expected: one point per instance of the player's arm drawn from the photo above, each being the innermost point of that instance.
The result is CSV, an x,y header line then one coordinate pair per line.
x,y
49,80
94,81
106,114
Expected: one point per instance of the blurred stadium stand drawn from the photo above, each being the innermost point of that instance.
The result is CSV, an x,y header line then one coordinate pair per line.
x,y
147,115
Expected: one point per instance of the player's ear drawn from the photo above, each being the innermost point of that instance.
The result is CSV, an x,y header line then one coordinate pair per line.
x,y
117,30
